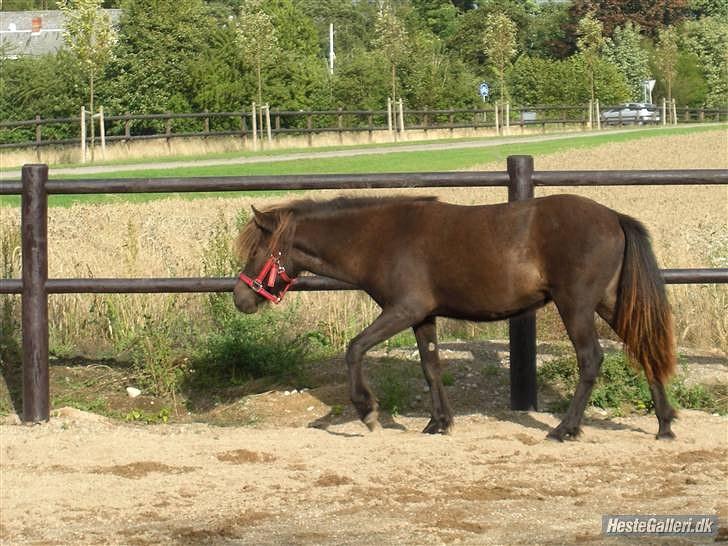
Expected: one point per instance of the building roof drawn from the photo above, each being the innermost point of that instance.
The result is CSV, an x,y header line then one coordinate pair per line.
x,y
34,32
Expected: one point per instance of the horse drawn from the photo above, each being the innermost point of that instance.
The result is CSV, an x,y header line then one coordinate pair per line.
x,y
420,258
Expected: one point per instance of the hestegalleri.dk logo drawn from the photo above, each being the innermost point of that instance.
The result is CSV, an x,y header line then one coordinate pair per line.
x,y
701,525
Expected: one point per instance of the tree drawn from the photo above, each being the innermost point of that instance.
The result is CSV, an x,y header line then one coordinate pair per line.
x,y
650,15
439,16
589,42
499,44
391,40
90,37
258,41
708,39
158,40
625,50
666,58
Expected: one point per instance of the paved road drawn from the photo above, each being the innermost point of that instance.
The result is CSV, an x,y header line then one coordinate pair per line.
x,y
377,150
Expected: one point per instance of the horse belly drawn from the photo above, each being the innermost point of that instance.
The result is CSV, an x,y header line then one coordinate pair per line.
x,y
494,295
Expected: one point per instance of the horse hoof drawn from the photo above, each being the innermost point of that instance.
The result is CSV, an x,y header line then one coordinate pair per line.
x,y
561,434
437,427
667,435
371,420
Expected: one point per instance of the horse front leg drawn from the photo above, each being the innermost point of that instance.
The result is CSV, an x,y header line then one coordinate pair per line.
x,y
389,323
442,419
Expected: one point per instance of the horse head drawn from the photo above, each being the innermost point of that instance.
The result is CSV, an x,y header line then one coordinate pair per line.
x,y
264,244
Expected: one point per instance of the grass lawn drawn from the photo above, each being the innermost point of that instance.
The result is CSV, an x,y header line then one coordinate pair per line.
x,y
405,161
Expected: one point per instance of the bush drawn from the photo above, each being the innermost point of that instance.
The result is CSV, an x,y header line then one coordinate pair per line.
x,y
246,347
621,389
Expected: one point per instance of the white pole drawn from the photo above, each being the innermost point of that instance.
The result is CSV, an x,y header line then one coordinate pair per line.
x,y
83,134
102,132
497,128
674,112
591,115
664,111
389,114
597,114
267,122
255,130
331,48
401,116
508,118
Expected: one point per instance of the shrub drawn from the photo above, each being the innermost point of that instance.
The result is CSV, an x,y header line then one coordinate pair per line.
x,y
620,388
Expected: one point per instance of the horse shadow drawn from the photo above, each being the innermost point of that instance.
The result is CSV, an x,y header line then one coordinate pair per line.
x,y
476,366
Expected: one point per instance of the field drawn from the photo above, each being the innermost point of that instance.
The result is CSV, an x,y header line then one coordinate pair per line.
x,y
688,226
296,466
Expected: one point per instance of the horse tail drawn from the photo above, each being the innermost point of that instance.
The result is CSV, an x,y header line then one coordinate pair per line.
x,y
643,318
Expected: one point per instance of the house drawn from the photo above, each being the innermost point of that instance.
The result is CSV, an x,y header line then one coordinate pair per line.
x,y
34,33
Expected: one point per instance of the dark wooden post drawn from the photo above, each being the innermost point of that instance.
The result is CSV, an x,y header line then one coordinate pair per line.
x,y
522,330
37,137
309,127
340,125
34,227
127,126
168,129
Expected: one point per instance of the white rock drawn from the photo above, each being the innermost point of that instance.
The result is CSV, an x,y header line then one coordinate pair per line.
x,y
133,392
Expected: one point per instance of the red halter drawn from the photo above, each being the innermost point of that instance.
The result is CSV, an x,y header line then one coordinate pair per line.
x,y
273,269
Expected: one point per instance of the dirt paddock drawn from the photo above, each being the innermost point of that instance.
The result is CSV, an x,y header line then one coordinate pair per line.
x,y
84,479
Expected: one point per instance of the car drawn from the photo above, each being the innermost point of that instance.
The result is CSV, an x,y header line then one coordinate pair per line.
x,y
631,113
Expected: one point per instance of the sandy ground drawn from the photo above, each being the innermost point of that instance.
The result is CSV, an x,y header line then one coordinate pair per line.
x,y
82,479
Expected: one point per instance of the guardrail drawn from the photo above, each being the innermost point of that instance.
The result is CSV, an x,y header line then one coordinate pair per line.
x,y
35,286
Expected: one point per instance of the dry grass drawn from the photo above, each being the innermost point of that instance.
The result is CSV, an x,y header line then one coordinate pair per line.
x,y
172,237
178,147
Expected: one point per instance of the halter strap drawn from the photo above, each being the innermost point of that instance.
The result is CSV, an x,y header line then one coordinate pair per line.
x,y
273,269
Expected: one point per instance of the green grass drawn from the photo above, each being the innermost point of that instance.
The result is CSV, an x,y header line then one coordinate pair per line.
x,y
419,161
621,390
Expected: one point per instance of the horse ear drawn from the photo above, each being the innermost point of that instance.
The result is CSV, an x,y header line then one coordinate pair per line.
x,y
265,220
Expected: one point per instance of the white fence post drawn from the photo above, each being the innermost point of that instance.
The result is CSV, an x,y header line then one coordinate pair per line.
x,y
598,114
389,115
267,122
83,134
401,116
102,132
255,130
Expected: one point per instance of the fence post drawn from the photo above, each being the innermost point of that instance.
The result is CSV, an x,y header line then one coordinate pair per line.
x,y
102,132
255,129
267,123
83,134
34,312
37,137
168,130
340,125
309,127
522,329
127,126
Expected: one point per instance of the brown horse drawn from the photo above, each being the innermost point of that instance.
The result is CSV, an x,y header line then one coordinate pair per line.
x,y
419,258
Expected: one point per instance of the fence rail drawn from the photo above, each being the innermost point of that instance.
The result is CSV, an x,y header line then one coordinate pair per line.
x,y
140,127
35,286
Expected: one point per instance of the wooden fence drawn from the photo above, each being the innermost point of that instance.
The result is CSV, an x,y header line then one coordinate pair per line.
x,y
38,133
35,286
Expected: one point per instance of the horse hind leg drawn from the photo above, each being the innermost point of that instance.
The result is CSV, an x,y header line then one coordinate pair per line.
x,y
580,327
664,411
442,418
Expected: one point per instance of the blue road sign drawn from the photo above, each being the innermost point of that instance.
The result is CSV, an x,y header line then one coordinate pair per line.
x,y
484,89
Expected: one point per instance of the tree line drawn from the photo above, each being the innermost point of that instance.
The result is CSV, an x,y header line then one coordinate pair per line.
x,y
222,55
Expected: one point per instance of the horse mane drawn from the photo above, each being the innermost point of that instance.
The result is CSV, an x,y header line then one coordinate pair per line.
x,y
288,213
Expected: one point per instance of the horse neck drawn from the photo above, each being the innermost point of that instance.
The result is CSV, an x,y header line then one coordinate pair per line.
x,y
328,245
